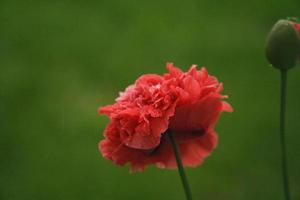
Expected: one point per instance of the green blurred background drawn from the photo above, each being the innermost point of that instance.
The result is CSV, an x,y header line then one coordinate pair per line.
x,y
61,60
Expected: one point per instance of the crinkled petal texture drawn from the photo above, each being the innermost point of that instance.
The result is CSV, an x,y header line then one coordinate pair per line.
x,y
186,103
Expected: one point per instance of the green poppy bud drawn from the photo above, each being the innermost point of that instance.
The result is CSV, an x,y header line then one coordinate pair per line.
x,y
283,45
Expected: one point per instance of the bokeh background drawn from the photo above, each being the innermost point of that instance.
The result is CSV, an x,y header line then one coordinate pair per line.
x,y
60,60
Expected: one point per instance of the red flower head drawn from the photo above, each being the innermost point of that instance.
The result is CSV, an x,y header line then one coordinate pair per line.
x,y
297,27
188,104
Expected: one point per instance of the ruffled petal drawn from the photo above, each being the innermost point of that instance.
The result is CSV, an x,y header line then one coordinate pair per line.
x,y
200,115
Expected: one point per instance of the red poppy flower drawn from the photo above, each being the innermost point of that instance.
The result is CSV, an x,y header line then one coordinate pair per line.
x,y
186,103
296,26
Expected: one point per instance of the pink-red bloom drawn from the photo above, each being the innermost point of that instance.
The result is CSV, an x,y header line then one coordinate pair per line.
x,y
186,103
297,27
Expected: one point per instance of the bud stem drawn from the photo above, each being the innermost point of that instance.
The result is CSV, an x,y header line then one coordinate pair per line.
x,y
283,73
182,174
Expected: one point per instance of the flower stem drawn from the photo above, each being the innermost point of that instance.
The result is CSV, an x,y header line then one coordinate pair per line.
x,y
282,134
182,174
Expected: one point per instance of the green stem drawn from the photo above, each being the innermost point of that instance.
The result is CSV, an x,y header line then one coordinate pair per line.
x,y
282,134
182,174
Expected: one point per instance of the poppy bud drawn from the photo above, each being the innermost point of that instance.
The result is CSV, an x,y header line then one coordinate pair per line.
x,y
283,44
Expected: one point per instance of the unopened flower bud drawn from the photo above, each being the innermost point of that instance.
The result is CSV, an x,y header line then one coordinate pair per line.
x,y
283,44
